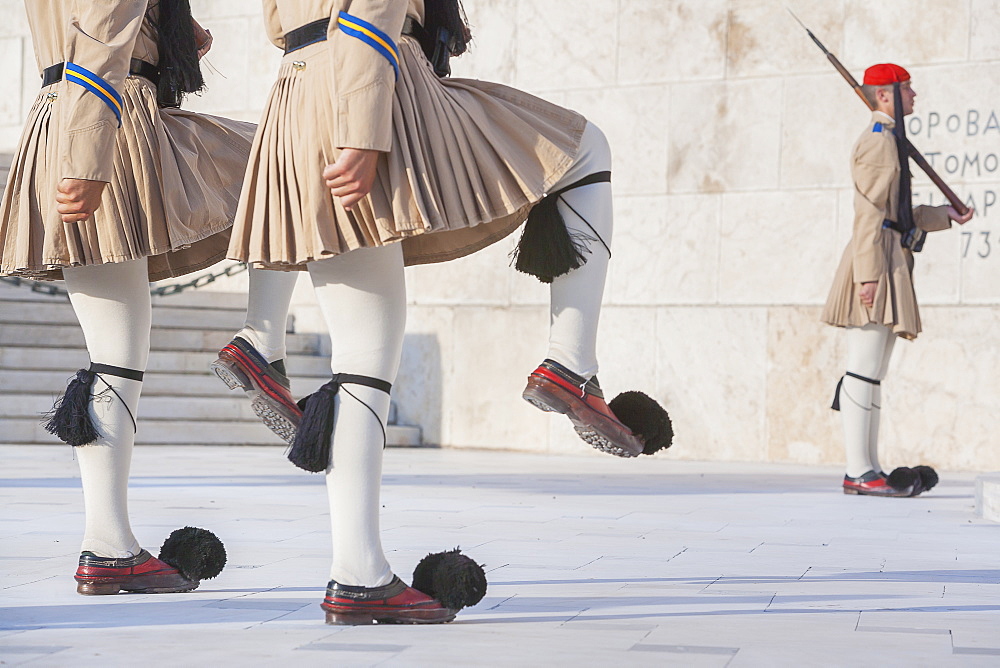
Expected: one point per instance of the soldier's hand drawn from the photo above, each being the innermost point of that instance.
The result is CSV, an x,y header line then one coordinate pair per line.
x,y
351,177
867,293
78,199
961,220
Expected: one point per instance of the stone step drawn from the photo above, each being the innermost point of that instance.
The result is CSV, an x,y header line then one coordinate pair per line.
x,y
205,384
164,317
67,361
29,431
70,336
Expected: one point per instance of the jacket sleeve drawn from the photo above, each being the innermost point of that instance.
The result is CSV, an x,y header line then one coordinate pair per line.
x,y
272,23
874,169
99,41
931,218
363,35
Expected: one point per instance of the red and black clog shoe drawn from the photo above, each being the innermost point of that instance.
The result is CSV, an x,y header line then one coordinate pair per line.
x,y
876,484
240,366
394,603
141,574
554,388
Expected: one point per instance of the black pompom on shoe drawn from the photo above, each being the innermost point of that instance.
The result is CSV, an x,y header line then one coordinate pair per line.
x,y
645,418
902,477
452,578
928,476
197,553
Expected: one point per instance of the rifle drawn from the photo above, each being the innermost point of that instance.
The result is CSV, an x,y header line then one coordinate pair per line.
x,y
915,154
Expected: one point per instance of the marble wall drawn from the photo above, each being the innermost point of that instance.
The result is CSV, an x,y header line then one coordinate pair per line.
x,y
731,137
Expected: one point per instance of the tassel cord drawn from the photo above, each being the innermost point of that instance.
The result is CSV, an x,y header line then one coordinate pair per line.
x,y
385,438
135,426
587,223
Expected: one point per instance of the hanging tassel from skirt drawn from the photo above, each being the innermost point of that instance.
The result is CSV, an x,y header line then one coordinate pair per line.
x,y
547,248
70,418
311,448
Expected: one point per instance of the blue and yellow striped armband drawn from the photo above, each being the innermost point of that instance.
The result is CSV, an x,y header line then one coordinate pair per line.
x,y
96,85
372,36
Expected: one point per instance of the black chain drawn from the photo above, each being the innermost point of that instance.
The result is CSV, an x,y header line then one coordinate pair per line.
x,y
200,281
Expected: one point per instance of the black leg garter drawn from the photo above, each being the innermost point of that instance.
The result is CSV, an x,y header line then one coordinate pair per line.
x,y
547,249
836,394
311,447
70,418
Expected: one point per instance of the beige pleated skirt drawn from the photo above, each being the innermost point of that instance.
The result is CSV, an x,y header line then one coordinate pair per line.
x,y
468,161
895,303
176,185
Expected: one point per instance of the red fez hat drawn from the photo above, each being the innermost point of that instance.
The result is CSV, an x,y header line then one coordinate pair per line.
x,y
885,74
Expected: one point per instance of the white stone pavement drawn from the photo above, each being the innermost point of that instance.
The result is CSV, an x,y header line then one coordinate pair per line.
x,y
591,561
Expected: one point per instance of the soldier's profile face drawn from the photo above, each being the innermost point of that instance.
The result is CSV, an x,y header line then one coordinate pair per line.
x,y
907,93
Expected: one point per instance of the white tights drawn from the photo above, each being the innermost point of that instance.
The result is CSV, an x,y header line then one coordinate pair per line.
x,y
267,311
112,303
868,351
575,298
362,295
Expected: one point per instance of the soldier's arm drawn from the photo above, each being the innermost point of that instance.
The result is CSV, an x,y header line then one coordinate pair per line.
x,y
363,35
99,45
874,168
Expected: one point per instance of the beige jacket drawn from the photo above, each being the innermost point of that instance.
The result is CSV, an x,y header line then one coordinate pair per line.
x,y
364,79
875,171
98,35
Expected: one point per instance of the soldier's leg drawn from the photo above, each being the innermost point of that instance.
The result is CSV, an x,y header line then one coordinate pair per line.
x,y
254,361
362,295
877,405
566,381
112,303
268,297
865,351
575,298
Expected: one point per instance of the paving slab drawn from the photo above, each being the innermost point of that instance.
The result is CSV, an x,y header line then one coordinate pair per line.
x,y
592,561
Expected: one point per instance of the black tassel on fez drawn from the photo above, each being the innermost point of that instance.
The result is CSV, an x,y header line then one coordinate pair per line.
x,y
546,249
645,418
197,553
69,418
311,447
452,578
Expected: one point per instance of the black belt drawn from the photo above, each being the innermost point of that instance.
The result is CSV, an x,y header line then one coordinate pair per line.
x,y
141,68
316,31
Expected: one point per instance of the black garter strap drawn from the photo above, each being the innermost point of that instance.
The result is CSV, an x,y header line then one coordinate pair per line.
x,y
836,393
121,372
313,439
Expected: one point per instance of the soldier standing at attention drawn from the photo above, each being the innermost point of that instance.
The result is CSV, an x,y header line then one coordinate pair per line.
x,y
872,294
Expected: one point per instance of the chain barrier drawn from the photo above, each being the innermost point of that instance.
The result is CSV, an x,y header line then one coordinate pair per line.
x,y
200,281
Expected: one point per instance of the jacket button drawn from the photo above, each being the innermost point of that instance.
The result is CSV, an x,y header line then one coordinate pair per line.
x,y
299,65
51,96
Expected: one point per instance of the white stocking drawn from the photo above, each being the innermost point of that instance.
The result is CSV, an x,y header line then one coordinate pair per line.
x,y
267,311
867,349
877,405
362,295
575,298
112,303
